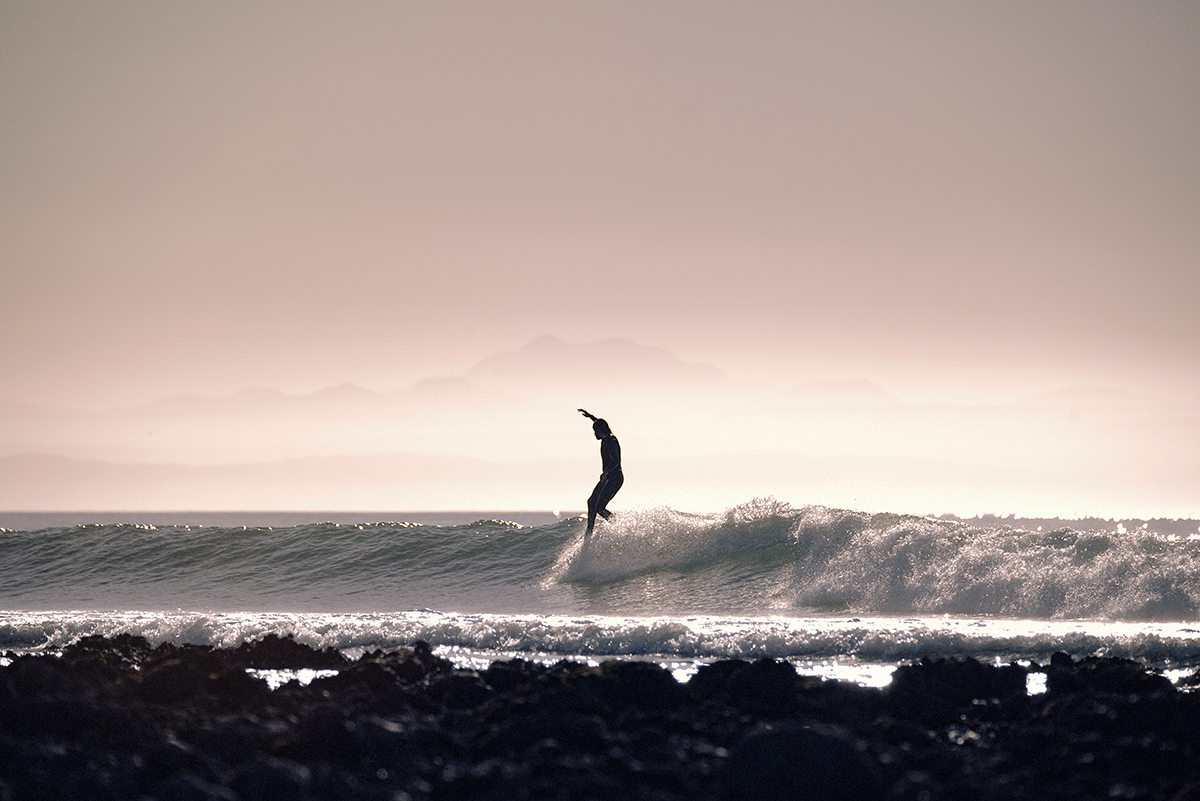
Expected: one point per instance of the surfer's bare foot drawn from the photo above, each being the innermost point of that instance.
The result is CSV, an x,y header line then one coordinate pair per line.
x,y
604,513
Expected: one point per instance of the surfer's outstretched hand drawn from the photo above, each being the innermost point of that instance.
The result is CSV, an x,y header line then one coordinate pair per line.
x,y
587,414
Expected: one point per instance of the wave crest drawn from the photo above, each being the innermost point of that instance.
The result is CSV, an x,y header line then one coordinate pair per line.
x,y
779,559
652,540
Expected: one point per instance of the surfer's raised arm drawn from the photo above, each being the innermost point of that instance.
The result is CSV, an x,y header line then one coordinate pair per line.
x,y
611,477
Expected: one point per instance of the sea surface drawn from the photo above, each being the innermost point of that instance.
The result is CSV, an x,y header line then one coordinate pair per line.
x,y
840,593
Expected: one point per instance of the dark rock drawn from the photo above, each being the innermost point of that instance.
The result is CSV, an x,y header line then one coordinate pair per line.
x,y
115,719
271,779
171,681
383,685
765,687
934,690
642,685
187,786
460,690
410,665
1102,675
576,732
121,651
506,676
806,763
273,652
1061,660
367,677
711,681
326,732
37,676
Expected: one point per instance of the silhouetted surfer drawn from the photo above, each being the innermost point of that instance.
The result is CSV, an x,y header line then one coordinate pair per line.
x,y
611,477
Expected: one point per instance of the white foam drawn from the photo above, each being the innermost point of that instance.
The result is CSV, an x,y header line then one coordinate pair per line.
x,y
863,647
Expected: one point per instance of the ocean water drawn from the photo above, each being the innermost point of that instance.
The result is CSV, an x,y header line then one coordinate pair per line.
x,y
840,593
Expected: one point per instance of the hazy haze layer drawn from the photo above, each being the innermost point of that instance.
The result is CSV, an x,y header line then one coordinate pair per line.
x,y
506,436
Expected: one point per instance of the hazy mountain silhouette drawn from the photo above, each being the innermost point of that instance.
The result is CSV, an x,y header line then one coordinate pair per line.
x,y
549,360
514,393
506,432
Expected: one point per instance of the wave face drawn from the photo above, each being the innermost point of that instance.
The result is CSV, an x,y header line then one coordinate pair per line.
x,y
763,558
767,557
320,567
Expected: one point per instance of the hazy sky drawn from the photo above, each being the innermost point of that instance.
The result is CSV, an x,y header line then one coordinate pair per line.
x,y
950,198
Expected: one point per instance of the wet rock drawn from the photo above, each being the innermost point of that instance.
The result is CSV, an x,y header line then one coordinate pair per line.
x,y
187,786
374,685
270,779
934,690
122,652
273,652
176,680
118,719
765,687
325,732
42,677
1065,676
410,664
574,731
509,675
641,685
800,763
459,690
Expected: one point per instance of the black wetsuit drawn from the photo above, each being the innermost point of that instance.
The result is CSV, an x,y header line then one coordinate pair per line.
x,y
611,479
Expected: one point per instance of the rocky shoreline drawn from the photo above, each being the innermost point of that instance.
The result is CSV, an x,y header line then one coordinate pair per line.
x,y
118,719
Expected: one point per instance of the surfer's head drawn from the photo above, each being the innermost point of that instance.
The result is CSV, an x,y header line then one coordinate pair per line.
x,y
601,428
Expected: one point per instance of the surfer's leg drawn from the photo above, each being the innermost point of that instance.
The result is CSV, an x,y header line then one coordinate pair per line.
x,y
594,505
605,492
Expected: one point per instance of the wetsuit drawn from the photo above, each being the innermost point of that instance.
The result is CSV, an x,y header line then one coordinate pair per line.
x,y
611,479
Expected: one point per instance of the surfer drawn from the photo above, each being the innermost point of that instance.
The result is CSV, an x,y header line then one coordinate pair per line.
x,y
611,477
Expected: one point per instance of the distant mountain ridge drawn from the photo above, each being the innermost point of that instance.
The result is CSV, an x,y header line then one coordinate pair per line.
x,y
521,395
619,361
482,438
547,362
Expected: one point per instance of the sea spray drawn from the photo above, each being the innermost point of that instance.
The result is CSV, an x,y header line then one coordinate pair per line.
x,y
662,539
917,565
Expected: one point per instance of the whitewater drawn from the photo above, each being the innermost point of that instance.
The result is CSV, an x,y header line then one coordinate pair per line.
x,y
840,593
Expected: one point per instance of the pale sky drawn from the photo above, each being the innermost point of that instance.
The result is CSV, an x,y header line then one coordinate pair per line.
x,y
949,198
943,197
961,202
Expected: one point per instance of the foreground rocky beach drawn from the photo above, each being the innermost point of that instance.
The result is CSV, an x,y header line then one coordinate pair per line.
x,y
118,719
